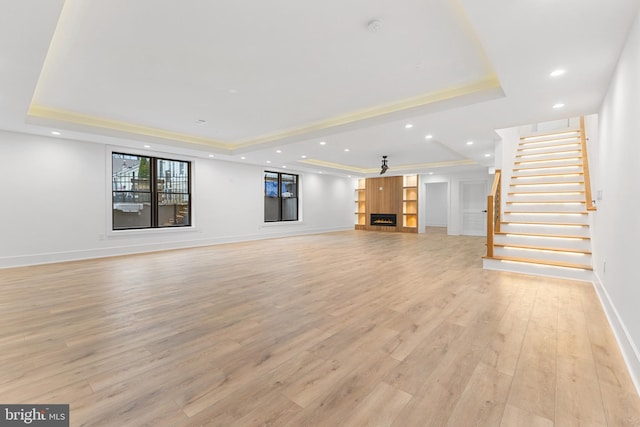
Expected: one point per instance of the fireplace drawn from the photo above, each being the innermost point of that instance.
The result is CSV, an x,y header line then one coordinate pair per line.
x,y
386,220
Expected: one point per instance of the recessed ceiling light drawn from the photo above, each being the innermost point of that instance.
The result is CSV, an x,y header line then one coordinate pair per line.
x,y
147,146
303,156
323,143
242,157
469,142
487,155
428,136
556,73
430,173
55,132
232,91
319,171
201,121
346,150
284,166
268,161
558,105
348,176
278,151
210,155
408,126
374,26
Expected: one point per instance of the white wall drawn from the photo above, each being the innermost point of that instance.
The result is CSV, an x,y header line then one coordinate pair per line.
x,y
509,140
55,204
436,204
615,160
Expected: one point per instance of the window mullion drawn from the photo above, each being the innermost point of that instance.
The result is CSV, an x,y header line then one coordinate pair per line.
x,y
280,199
154,191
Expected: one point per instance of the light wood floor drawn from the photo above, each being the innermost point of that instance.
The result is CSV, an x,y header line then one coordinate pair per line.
x,y
342,329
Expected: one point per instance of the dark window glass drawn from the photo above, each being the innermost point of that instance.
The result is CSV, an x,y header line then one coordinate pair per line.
x,y
173,193
148,192
280,197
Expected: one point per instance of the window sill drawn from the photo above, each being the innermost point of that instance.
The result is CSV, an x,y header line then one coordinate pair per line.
x,y
149,231
281,223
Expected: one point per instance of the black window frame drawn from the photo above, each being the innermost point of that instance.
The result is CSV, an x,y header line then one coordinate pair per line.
x,y
281,199
156,193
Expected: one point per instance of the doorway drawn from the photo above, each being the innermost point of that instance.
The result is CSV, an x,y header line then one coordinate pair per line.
x,y
437,206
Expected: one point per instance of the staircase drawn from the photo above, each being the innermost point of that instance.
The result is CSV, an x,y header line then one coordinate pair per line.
x,y
544,228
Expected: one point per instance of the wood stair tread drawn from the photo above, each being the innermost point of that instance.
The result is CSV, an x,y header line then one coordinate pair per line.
x,y
544,202
547,183
572,224
546,175
564,133
547,149
555,236
546,213
543,248
542,262
553,159
556,149
545,192
550,145
549,167
546,156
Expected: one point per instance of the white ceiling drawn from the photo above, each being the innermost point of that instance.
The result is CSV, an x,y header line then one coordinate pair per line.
x,y
284,75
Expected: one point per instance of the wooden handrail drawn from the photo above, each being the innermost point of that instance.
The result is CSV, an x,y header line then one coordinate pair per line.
x,y
585,168
493,212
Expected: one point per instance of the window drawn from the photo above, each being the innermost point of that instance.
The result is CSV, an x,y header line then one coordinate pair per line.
x,y
149,192
280,197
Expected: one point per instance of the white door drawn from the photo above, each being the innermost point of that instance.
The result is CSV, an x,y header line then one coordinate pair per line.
x,y
474,205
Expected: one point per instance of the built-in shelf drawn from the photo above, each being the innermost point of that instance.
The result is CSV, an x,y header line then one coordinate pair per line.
x,y
361,205
410,201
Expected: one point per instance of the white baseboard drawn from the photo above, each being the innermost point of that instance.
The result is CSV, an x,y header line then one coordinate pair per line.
x,y
627,346
53,257
538,270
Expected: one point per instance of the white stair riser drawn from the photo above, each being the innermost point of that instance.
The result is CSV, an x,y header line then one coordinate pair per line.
x,y
542,217
549,162
536,187
546,179
546,197
551,207
546,229
539,270
531,170
550,155
555,140
547,242
548,148
568,257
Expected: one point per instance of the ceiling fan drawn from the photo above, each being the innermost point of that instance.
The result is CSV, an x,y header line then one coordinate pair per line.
x,y
384,165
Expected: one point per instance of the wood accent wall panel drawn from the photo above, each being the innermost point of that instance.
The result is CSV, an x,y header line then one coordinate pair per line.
x,y
387,200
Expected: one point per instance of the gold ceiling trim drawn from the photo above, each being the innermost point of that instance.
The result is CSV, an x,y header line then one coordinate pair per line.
x,y
54,114
490,82
331,165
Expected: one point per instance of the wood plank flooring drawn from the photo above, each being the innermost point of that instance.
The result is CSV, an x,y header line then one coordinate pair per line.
x,y
342,329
